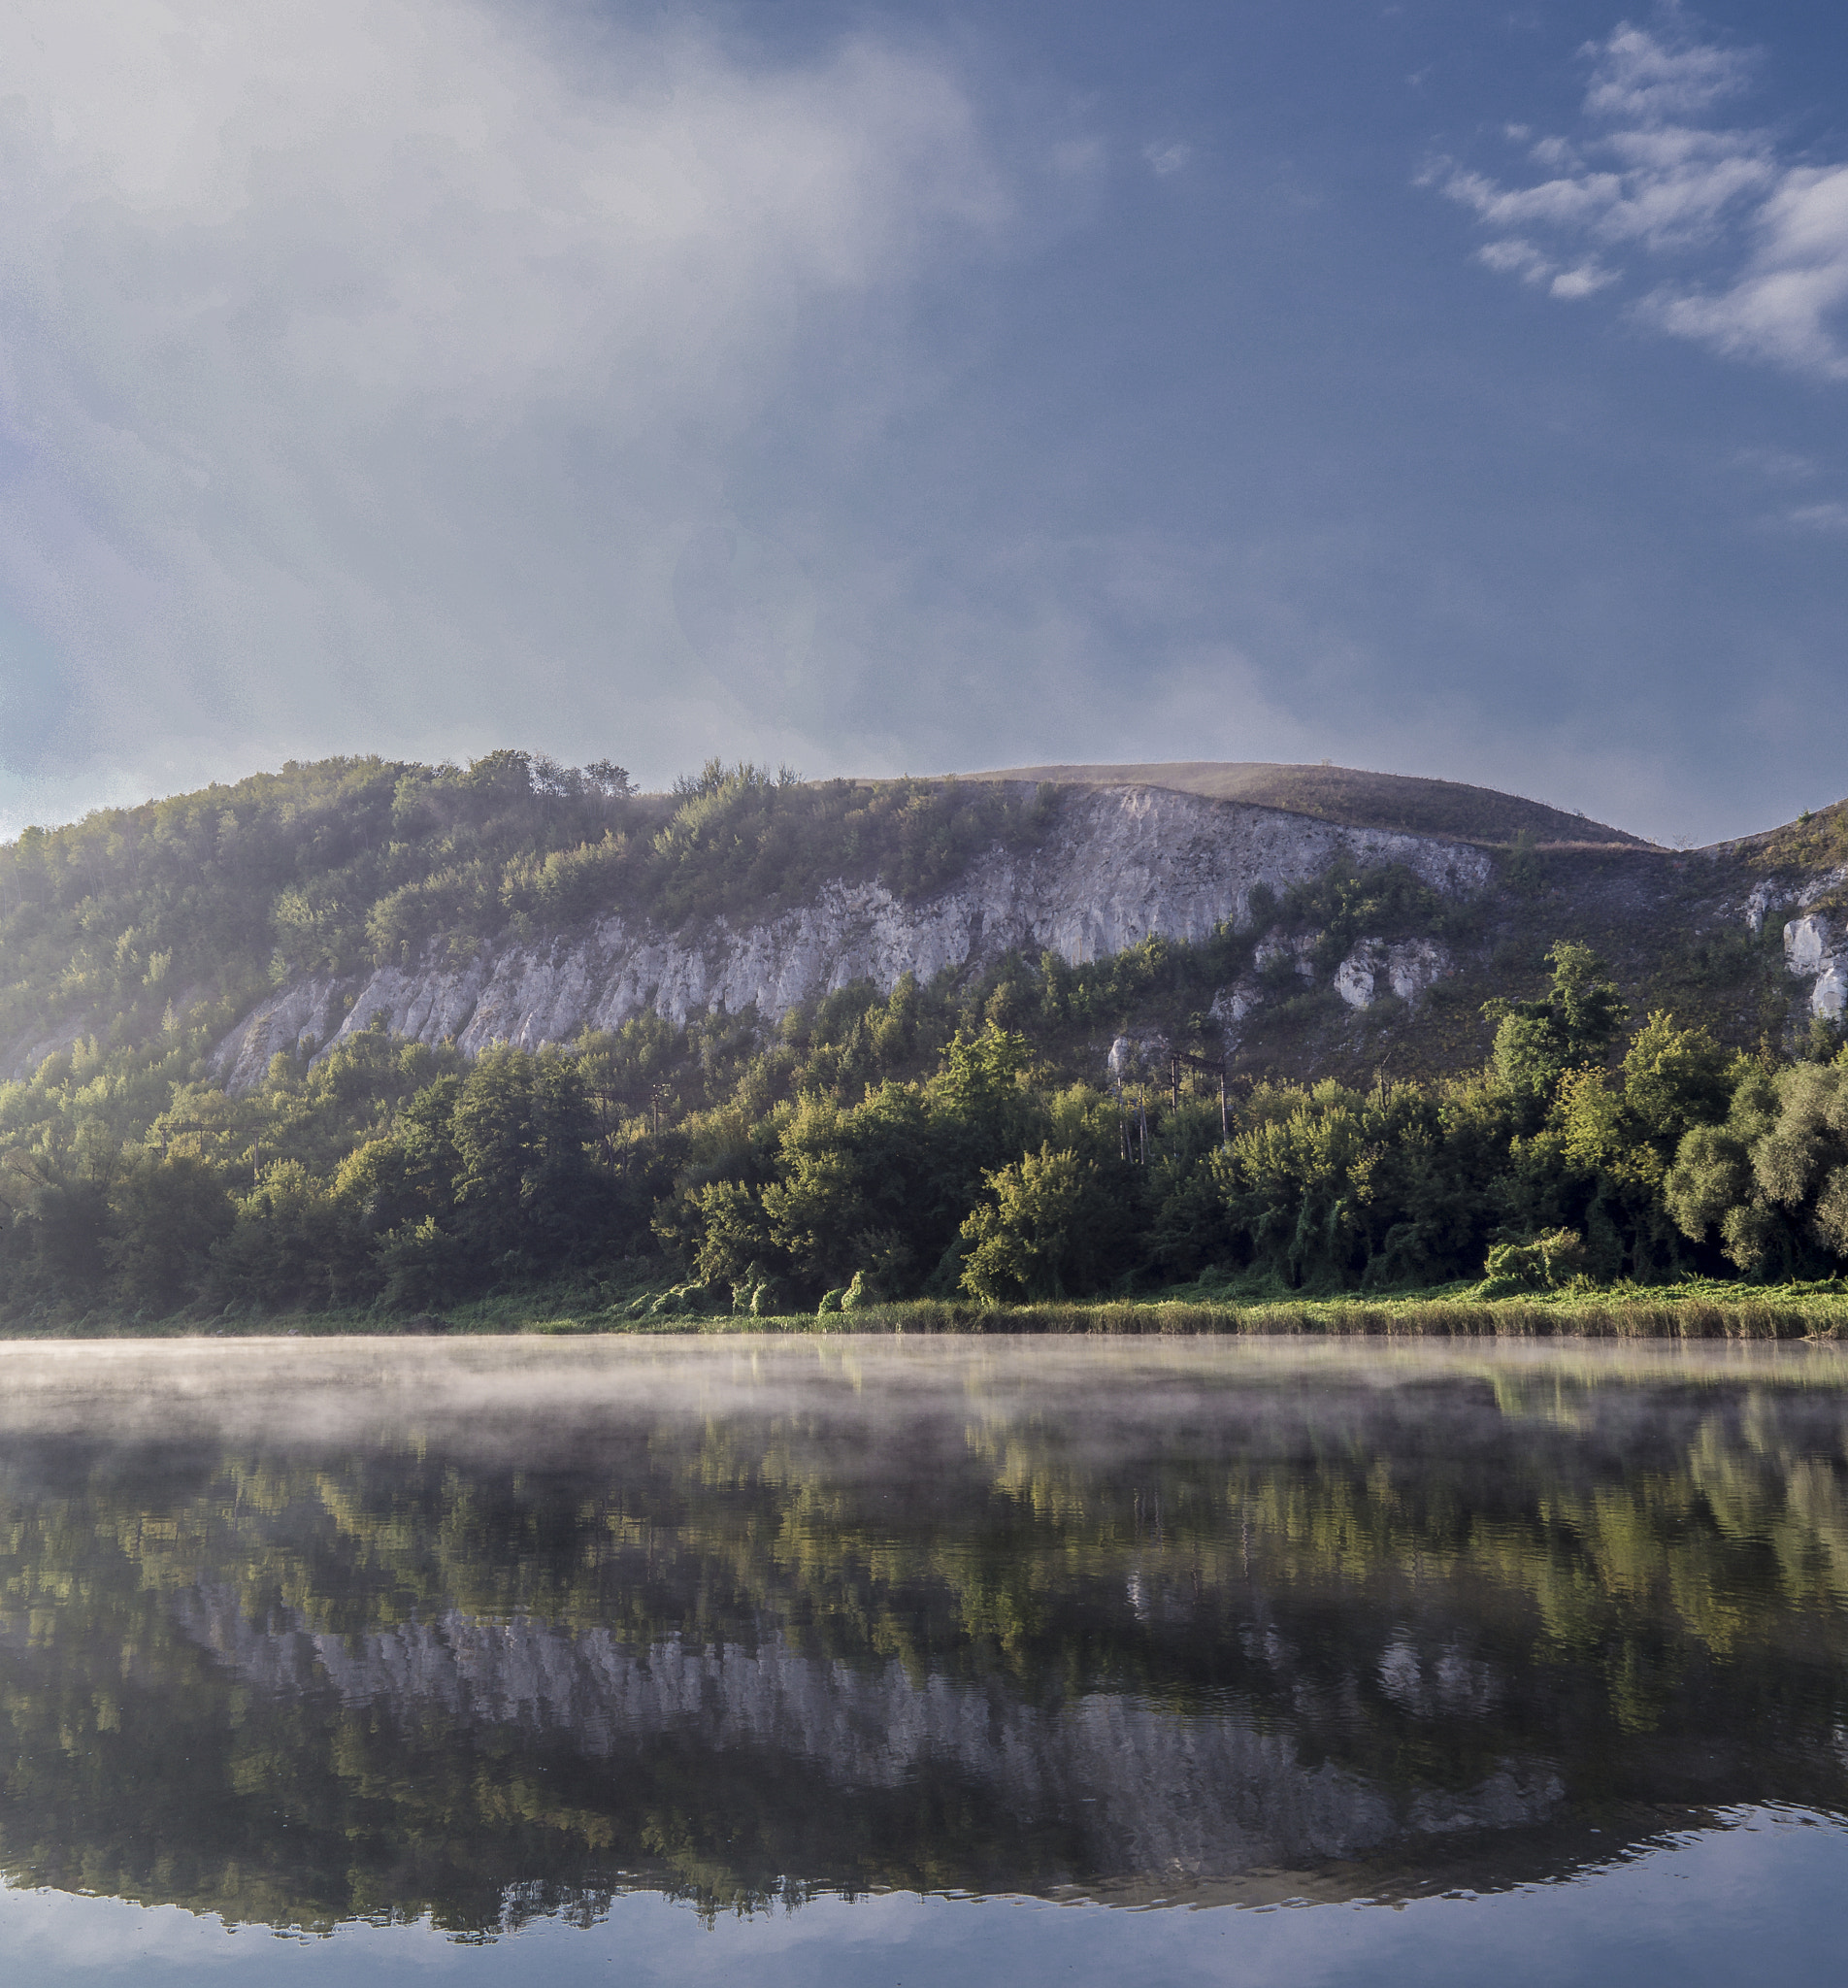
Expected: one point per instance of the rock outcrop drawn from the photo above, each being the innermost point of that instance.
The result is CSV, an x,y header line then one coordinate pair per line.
x,y
1120,864
1816,951
1374,968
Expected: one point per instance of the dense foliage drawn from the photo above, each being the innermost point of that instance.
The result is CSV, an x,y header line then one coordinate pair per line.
x,y
134,916
924,1142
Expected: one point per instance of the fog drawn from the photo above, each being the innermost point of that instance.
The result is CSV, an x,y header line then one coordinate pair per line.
x,y
539,1394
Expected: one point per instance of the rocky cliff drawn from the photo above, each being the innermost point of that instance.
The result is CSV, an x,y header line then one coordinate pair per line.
x,y
1118,863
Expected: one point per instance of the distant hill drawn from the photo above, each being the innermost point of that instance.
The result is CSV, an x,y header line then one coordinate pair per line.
x,y
157,931
272,1042
1342,793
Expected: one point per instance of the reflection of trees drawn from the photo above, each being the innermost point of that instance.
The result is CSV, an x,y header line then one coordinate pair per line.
x,y
1413,1619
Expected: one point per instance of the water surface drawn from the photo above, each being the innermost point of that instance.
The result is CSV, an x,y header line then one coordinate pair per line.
x,y
934,1660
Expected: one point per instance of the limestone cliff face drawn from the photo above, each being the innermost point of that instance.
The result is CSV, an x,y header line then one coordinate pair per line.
x,y
1119,864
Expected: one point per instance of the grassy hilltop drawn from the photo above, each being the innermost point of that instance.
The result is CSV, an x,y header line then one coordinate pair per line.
x,y
1341,793
1611,1085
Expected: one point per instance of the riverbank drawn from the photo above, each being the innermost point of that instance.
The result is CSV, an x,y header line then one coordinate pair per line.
x,y
1694,1309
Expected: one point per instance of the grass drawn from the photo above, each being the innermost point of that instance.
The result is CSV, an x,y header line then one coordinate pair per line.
x,y
1697,1309
1345,794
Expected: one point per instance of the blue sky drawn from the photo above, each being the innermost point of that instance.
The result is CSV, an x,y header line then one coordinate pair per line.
x,y
1435,387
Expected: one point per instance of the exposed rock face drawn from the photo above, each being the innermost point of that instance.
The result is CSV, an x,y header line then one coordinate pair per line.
x,y
1407,969
1813,947
1806,945
1137,1057
1277,949
1230,1005
1121,863
1763,899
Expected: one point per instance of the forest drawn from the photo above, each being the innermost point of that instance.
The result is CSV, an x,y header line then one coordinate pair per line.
x,y
135,916
942,1139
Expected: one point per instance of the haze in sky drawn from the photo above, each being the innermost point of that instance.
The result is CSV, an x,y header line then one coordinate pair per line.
x,y
1437,387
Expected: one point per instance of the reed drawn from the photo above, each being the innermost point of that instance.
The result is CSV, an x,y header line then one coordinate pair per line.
x,y
1619,1315
1695,1310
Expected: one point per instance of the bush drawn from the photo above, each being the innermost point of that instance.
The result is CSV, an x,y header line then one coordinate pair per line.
x,y
1542,1263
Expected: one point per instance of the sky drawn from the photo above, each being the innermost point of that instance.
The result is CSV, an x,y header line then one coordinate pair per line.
x,y
1441,388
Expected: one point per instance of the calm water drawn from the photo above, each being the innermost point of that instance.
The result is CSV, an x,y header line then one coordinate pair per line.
x,y
918,1662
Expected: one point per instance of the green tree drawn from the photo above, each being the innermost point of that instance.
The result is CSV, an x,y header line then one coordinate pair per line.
x,y
526,1193
1572,1024
167,1215
1773,1178
1056,1226
288,1245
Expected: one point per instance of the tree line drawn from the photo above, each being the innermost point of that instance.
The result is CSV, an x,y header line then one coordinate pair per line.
x,y
925,1142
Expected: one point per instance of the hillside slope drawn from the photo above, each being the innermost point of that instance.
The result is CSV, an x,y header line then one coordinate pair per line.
x,y
1110,868
1341,793
519,901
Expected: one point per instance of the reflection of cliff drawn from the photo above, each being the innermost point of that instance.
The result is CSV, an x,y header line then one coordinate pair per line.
x,y
1155,1640
1141,1789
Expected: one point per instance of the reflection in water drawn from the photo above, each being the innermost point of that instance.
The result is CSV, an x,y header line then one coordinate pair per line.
x,y
298,1635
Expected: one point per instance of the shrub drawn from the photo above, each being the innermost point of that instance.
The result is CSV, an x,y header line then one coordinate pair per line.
x,y
1540,1264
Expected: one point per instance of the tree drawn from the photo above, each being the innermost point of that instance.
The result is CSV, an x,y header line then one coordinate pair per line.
x,y
1573,1024
167,1214
289,1245
1055,1228
526,1197
1773,1178
1598,1165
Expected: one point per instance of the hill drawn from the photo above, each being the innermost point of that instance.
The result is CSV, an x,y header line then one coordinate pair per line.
x,y
515,899
1341,793
370,1032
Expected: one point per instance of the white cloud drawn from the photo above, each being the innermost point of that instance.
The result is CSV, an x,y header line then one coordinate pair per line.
x,y
357,353
1819,517
1167,158
1760,243
1515,255
1651,79
1780,465
1785,304
1586,280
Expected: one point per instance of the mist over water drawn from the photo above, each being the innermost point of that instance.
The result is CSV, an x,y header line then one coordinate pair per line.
x,y
538,1641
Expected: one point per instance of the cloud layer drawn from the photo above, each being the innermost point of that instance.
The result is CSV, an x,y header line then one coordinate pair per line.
x,y
1752,247
360,349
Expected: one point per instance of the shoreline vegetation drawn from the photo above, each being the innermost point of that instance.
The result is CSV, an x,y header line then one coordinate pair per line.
x,y
1695,1308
